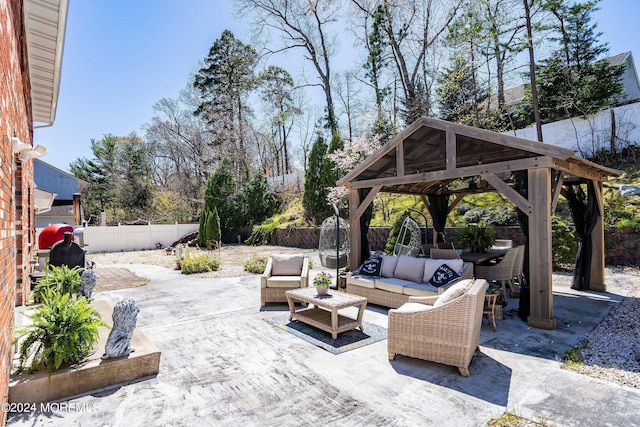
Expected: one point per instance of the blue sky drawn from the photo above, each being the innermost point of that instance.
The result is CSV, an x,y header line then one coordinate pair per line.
x,y
122,56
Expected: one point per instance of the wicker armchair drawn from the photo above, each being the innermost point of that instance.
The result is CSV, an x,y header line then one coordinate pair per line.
x,y
501,272
282,273
445,332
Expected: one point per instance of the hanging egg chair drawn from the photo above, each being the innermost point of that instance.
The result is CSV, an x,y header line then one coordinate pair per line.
x,y
334,243
409,239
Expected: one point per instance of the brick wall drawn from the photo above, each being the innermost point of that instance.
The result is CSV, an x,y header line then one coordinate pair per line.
x,y
621,247
17,219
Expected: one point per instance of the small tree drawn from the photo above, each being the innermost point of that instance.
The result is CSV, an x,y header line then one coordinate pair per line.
x,y
202,237
213,233
259,199
315,195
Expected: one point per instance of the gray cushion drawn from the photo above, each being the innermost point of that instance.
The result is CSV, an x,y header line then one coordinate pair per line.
x,y
420,290
409,268
389,286
388,265
283,282
286,265
364,281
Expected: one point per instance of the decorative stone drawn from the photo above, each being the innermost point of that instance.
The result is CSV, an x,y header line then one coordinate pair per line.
x,y
125,314
89,279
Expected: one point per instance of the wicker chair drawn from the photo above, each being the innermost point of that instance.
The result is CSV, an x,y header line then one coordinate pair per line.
x,y
282,273
446,333
501,272
438,253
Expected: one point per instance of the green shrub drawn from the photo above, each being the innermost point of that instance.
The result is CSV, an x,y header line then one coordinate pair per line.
x,y
197,261
563,243
63,279
395,230
63,330
491,216
256,264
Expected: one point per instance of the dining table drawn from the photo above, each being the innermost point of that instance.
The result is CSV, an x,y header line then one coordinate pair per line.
x,y
482,257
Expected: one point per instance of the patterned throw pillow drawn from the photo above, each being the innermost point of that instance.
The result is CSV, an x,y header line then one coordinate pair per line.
x,y
443,275
371,267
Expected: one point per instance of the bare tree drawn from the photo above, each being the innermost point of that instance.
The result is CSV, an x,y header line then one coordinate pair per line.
x,y
412,28
181,148
301,24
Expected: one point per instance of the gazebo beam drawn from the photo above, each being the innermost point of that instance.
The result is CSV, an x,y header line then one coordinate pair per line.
x,y
523,204
540,259
509,166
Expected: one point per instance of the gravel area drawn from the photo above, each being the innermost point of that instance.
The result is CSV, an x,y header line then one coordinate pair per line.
x,y
610,352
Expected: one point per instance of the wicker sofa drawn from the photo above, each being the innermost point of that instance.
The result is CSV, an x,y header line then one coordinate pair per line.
x,y
403,277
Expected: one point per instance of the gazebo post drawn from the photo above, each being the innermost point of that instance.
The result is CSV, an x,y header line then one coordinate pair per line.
x,y
597,282
354,229
540,259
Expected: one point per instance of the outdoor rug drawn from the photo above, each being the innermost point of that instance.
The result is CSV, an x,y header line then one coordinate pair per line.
x,y
346,341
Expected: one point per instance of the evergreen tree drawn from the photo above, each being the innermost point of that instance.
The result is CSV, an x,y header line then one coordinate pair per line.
x,y
314,199
119,178
213,232
224,84
222,193
260,201
575,80
202,233
457,93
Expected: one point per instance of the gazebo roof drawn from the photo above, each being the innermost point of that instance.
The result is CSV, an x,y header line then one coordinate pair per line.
x,y
428,156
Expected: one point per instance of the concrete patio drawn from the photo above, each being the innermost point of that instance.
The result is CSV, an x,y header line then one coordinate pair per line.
x,y
222,364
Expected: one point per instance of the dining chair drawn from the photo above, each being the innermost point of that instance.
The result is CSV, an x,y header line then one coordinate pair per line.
x,y
518,272
438,253
501,272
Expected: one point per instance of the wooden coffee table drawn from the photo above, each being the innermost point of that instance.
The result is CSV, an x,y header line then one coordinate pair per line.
x,y
323,310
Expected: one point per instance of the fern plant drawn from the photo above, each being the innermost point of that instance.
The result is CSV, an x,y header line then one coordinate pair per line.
x,y
476,238
63,279
63,330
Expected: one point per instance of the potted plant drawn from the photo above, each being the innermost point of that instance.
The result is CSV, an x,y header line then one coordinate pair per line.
x,y
63,330
476,238
322,282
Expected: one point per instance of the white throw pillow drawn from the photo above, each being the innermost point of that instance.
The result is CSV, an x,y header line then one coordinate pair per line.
x,y
409,268
431,265
454,291
388,265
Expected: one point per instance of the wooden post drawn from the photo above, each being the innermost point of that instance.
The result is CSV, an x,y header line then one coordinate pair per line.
x,y
597,282
354,229
540,260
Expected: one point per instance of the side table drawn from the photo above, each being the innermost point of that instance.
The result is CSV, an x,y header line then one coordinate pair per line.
x,y
490,309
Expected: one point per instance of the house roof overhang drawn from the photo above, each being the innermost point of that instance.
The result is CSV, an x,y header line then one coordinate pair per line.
x,y
45,22
431,153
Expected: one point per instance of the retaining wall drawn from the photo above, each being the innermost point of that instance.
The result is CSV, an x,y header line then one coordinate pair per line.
x,y
622,247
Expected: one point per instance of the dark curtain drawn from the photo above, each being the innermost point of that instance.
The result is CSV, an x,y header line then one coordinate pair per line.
x,y
522,187
365,220
585,213
438,207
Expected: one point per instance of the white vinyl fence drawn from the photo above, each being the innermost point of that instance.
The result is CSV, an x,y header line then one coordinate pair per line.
x,y
131,237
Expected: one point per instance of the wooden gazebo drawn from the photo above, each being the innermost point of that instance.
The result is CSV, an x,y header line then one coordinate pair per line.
x,y
432,158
